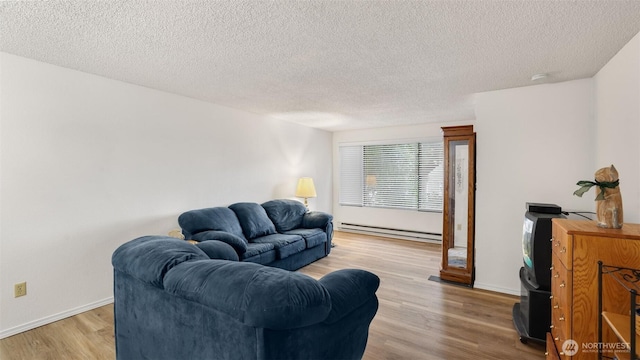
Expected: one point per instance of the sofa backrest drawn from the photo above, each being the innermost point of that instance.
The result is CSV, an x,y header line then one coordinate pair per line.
x,y
255,295
216,219
285,214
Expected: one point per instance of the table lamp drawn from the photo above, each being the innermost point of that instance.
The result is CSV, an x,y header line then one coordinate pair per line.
x,y
306,190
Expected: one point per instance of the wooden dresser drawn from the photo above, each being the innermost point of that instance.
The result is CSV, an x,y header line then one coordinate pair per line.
x,y
577,247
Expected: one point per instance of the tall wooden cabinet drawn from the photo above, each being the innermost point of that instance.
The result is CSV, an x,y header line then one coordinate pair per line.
x,y
458,213
577,246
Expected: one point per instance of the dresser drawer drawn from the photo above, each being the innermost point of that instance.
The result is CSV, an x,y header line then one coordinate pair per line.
x,y
561,246
561,321
561,304
551,352
559,337
561,285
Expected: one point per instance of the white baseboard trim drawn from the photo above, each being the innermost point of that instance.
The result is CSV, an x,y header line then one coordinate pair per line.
x,y
389,235
488,287
53,318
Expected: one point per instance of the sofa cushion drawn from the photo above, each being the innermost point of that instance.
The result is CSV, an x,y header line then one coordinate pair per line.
x,y
254,249
217,218
253,220
218,250
285,214
239,244
313,237
285,245
265,258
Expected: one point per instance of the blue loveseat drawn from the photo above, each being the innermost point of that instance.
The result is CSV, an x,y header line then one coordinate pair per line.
x,y
174,300
279,233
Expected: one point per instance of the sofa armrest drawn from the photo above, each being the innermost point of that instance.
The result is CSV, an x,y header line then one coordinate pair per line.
x,y
149,258
316,219
237,243
218,250
349,289
321,220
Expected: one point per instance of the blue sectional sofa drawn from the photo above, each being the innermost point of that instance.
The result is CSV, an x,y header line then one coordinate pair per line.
x,y
174,300
279,233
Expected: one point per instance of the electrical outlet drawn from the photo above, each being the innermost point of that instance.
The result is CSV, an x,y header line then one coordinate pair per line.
x,y
20,289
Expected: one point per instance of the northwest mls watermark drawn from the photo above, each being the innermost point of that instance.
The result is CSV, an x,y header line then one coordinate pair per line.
x,y
571,347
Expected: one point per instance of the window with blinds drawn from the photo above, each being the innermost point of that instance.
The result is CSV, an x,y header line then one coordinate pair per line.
x,y
401,176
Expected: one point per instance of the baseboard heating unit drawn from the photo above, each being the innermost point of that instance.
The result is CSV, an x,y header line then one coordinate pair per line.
x,y
390,232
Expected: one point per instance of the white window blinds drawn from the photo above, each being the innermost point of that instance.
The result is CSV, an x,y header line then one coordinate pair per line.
x,y
431,162
403,176
351,175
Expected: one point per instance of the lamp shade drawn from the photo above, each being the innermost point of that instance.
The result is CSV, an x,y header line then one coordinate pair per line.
x,y
305,188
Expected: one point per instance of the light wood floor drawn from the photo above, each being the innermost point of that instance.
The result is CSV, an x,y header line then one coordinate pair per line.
x,y
417,318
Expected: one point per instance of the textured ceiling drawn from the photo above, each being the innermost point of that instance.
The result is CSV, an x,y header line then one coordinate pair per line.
x,y
334,65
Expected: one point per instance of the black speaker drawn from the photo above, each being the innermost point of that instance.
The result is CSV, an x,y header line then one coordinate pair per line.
x,y
532,315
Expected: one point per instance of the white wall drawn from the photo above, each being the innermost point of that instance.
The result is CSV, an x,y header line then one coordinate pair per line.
x,y
533,145
88,163
569,130
391,218
617,111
